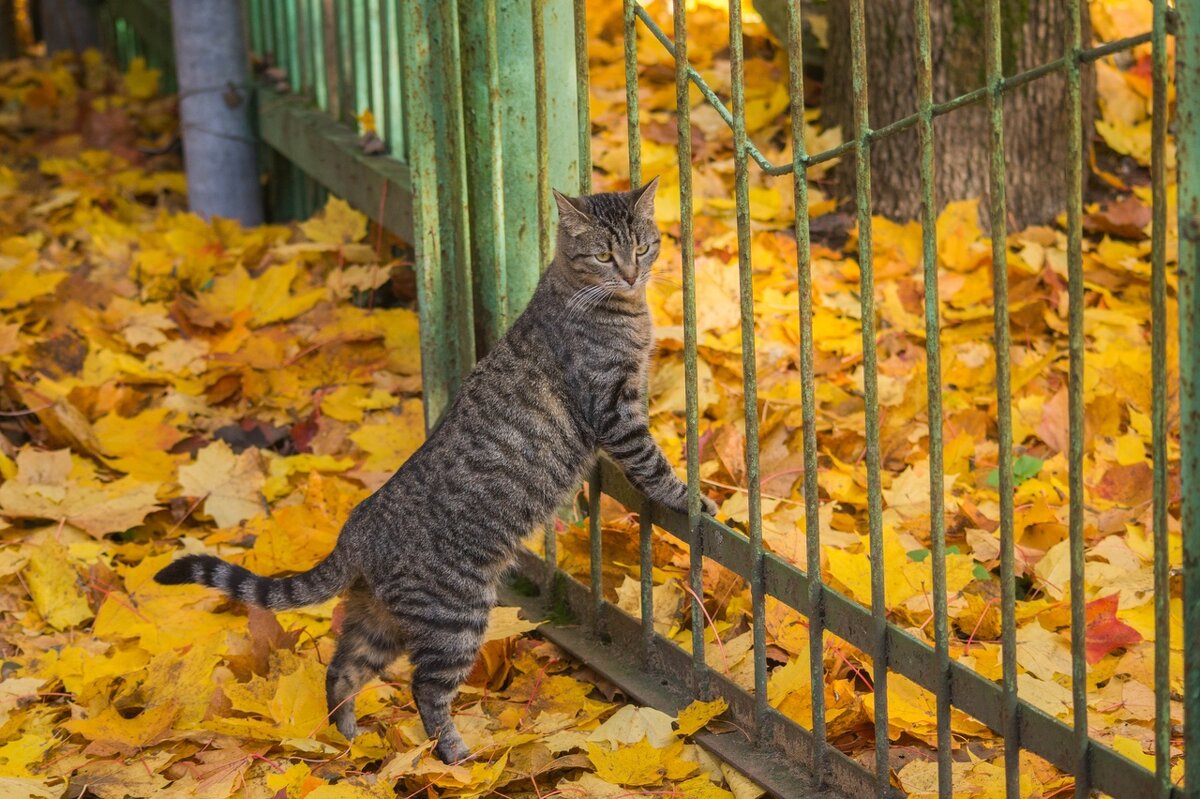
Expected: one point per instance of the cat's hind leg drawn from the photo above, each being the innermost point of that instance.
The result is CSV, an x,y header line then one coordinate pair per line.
x,y
370,640
442,658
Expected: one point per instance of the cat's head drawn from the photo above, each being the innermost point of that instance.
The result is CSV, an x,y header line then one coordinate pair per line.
x,y
609,239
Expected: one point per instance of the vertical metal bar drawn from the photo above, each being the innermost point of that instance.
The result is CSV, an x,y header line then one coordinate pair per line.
x,y
303,45
254,16
1074,187
541,123
933,364
343,97
812,525
267,23
320,68
394,106
687,248
543,132
749,366
436,359
631,94
862,186
378,79
361,54
1158,412
485,184
1187,76
452,185
333,24
997,214
581,97
595,548
646,581
293,44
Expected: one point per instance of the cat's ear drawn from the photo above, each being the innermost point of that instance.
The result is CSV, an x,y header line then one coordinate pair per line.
x,y
642,199
570,215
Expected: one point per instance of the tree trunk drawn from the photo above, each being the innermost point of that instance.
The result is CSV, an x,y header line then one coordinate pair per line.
x,y
72,25
1036,115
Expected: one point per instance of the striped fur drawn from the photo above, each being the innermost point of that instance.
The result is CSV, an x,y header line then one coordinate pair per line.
x,y
421,558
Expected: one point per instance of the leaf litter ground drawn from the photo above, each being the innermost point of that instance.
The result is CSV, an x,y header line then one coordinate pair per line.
x,y
171,385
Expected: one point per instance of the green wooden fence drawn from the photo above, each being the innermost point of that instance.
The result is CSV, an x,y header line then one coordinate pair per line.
x,y
466,104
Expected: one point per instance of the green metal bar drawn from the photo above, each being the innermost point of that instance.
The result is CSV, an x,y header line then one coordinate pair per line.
x,y
631,94
320,78
514,37
304,45
812,524
362,56
266,10
394,106
1158,412
687,247
581,97
997,215
291,26
342,101
1074,188
749,366
933,363
595,548
485,184
541,122
378,73
437,360
446,89
862,187
254,17
646,581
1187,77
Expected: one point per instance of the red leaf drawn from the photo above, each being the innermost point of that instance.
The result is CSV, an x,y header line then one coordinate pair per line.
x,y
1105,632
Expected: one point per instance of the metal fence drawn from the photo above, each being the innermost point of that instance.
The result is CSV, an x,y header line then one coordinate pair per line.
x,y
461,89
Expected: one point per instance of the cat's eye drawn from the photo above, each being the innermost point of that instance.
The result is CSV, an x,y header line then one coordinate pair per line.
x,y
643,249
603,257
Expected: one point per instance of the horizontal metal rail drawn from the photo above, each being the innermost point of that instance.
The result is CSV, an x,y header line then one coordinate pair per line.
x,y
331,153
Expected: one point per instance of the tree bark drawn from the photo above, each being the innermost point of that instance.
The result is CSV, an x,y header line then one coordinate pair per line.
x,y
1036,115
72,25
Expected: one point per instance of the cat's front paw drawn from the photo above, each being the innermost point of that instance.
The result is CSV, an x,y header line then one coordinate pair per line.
x,y
681,505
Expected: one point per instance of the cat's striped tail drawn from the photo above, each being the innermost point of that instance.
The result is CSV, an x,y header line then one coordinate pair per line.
x,y
324,581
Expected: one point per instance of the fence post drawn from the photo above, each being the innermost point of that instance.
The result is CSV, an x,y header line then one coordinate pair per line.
x,y
219,146
70,24
519,130
1187,75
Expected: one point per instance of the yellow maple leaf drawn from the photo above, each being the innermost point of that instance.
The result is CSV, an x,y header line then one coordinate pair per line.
x,y
141,82
43,490
21,284
366,122
640,764
267,297
327,504
231,485
698,714
388,444
338,224
55,587
109,726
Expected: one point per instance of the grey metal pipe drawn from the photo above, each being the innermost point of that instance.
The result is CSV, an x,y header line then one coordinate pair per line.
x,y
219,146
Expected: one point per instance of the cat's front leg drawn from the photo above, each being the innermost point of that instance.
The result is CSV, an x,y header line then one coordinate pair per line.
x,y
643,462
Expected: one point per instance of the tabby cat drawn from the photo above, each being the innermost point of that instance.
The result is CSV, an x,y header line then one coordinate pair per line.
x,y
421,558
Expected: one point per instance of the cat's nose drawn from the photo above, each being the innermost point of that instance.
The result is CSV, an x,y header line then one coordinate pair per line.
x,y
630,277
